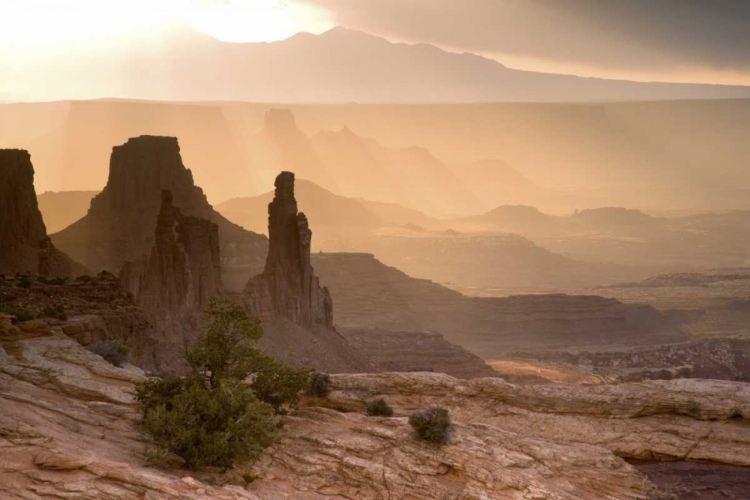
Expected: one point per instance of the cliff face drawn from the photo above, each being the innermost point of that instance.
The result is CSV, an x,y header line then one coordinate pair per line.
x,y
24,245
119,224
181,275
288,287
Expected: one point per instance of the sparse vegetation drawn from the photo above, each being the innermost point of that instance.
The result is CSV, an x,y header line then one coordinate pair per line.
x,y
20,314
379,408
24,281
57,312
249,478
212,418
113,351
433,424
320,384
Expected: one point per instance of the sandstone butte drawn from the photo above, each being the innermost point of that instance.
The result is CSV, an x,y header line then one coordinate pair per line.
x,y
69,429
24,244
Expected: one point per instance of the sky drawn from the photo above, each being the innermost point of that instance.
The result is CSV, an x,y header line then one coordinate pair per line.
x,y
705,41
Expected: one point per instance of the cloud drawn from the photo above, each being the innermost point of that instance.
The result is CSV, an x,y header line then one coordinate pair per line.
x,y
630,35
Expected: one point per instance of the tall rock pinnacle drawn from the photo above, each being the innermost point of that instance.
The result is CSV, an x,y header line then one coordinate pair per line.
x,y
288,287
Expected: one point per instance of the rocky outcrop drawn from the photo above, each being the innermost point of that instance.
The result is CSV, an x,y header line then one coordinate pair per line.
x,y
288,287
175,285
88,310
24,244
184,269
119,224
69,429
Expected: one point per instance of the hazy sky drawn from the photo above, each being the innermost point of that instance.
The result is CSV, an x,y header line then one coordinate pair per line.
x,y
673,40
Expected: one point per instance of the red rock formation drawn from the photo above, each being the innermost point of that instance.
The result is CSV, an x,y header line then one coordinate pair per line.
x,y
119,224
184,269
24,245
288,287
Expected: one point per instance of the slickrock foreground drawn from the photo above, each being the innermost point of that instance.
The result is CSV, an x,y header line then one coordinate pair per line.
x,y
24,244
68,429
683,419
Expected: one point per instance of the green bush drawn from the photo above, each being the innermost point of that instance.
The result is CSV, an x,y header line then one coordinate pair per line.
x,y
213,417
433,424
212,427
278,384
379,408
20,314
57,312
113,351
320,384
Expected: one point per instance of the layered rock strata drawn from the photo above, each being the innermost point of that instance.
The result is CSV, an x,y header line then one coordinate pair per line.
x,y
695,420
119,223
24,244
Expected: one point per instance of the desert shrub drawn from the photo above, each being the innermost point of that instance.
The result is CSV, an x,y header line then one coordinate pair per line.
x,y
320,384
279,385
24,281
57,281
20,314
57,312
212,417
249,477
113,351
212,427
84,278
379,408
433,424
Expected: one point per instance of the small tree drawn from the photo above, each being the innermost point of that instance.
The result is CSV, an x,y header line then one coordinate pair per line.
x,y
212,417
433,424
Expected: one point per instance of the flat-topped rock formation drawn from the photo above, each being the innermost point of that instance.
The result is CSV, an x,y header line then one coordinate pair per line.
x,y
119,223
370,295
24,244
69,428
288,287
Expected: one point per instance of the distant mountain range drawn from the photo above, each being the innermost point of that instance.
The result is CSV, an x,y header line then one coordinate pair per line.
x,y
179,63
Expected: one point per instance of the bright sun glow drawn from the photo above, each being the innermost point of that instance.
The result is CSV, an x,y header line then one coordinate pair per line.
x,y
39,23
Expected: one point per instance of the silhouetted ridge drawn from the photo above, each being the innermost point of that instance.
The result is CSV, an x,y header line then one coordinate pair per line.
x,y
24,244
